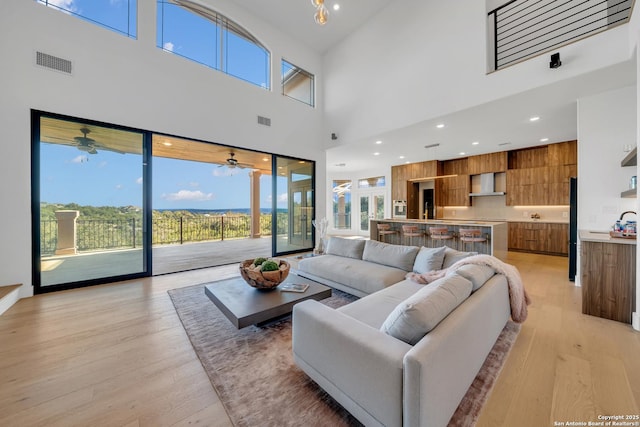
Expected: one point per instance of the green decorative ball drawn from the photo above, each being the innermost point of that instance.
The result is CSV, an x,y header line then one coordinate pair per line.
x,y
270,266
259,261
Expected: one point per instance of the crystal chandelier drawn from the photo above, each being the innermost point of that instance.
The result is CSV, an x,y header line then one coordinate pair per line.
x,y
322,13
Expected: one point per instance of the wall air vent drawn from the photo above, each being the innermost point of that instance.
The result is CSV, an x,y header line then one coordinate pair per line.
x,y
503,144
53,63
264,121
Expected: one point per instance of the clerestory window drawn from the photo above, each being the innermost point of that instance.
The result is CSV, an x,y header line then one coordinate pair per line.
x,y
116,15
297,83
205,36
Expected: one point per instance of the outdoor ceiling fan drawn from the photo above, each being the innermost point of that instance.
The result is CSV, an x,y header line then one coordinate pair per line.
x,y
233,163
88,145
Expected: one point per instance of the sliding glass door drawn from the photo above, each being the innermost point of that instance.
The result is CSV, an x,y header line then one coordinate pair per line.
x,y
294,205
88,191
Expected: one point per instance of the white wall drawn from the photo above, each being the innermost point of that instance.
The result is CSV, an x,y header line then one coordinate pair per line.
x,y
606,123
131,82
418,60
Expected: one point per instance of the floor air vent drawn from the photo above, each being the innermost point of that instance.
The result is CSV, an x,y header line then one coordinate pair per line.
x,y
53,62
264,121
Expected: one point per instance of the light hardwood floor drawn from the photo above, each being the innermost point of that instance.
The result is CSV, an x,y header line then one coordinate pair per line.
x,y
117,355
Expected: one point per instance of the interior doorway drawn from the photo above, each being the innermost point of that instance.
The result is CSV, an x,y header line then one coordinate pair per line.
x,y
372,206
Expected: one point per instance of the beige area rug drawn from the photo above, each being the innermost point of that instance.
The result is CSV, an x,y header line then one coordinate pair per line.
x,y
253,372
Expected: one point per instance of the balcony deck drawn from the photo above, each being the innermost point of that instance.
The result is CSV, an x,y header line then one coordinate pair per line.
x,y
166,259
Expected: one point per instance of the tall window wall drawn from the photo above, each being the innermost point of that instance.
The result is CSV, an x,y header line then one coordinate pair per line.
x,y
207,37
342,204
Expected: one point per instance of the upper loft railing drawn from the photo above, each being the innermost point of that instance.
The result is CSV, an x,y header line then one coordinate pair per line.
x,y
522,29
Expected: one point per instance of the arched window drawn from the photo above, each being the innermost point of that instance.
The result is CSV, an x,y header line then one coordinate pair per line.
x,y
200,34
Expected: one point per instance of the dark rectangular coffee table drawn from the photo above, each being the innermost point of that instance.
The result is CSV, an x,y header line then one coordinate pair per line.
x,y
244,305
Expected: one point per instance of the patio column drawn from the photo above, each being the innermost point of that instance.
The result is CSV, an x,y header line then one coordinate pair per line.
x,y
255,203
66,232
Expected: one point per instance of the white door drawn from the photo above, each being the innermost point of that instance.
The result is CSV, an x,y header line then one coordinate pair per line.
x,y
371,206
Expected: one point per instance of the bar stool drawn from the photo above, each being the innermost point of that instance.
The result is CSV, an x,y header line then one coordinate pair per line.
x,y
411,231
470,235
384,230
440,234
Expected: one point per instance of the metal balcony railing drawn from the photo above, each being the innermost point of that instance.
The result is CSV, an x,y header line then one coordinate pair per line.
x,y
522,29
99,235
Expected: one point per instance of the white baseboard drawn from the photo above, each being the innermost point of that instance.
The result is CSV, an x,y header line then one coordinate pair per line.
x,y
635,322
9,299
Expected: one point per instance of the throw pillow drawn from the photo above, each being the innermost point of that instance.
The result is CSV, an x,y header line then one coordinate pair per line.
x,y
413,318
451,256
398,256
476,274
429,259
350,248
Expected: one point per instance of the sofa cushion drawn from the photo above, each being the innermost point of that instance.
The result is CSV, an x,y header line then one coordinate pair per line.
x,y
420,313
451,256
397,256
429,259
351,248
365,276
375,308
476,274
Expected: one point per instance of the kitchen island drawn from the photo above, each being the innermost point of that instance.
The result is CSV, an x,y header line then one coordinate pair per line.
x,y
496,234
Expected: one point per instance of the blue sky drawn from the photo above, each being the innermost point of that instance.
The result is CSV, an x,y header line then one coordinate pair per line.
x,y
111,179
107,178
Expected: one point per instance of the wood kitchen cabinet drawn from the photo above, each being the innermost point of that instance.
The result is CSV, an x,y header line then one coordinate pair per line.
x,y
399,176
562,154
454,191
607,278
484,163
538,237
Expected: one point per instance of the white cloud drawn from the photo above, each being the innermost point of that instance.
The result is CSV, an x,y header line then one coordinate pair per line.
x,y
193,196
102,164
282,198
139,180
119,187
80,159
194,184
65,5
168,46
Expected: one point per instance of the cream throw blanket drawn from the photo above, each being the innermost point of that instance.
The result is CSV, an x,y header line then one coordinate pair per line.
x,y
518,297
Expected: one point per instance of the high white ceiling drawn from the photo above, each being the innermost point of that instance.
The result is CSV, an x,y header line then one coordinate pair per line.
x,y
496,126
295,18
493,125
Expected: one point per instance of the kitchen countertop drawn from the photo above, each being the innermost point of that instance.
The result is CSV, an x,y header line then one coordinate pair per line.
x,y
603,237
543,221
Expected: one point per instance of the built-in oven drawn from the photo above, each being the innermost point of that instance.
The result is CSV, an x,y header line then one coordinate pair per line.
x,y
399,208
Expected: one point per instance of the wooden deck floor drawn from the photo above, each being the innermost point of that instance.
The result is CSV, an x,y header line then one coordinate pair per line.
x,y
117,355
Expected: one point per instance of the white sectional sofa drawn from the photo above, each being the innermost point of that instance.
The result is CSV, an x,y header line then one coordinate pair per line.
x,y
361,267
405,354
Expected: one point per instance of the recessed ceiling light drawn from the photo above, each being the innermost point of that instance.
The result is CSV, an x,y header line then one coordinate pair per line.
x,y
401,157
534,119
475,143
440,126
544,139
168,144
407,162
265,159
301,162
336,6
376,154
378,142
462,153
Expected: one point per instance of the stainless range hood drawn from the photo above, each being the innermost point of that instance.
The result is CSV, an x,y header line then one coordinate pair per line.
x,y
487,185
